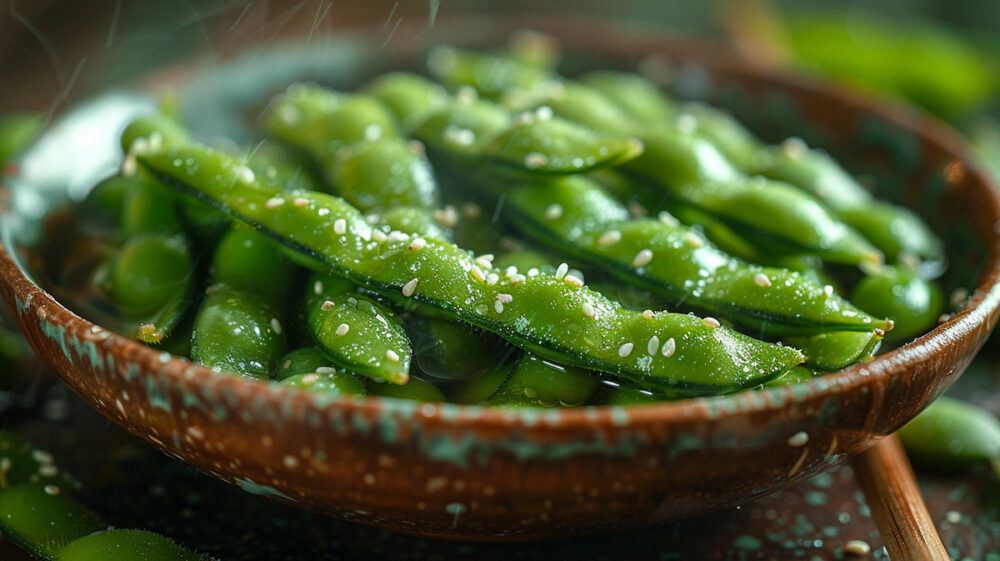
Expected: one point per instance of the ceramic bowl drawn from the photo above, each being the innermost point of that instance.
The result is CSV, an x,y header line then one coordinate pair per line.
x,y
476,473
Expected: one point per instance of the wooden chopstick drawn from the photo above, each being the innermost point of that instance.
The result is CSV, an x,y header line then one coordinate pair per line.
x,y
897,506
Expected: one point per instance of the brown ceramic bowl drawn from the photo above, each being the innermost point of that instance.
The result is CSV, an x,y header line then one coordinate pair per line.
x,y
476,473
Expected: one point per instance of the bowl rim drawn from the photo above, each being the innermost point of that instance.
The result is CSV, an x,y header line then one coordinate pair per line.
x,y
979,307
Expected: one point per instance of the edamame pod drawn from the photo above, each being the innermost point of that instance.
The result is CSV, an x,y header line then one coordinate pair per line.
x,y
331,383
829,352
914,304
237,332
355,331
536,382
415,389
544,314
124,544
951,433
306,360
490,74
473,391
384,174
409,96
321,121
447,350
43,519
246,260
639,98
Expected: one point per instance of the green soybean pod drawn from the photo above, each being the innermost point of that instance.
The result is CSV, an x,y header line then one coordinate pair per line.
x,y
896,231
16,131
464,126
896,292
384,174
537,382
829,352
586,106
23,463
414,220
711,358
476,390
446,349
306,360
337,382
246,260
490,74
727,134
641,99
237,332
43,519
409,96
796,375
951,433
125,545
284,166
355,331
415,389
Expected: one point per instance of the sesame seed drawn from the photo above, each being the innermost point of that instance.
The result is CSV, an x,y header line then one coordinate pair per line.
x,y
543,113
793,147
694,239
798,439
379,236
827,291
276,325
397,236
478,273
686,122
492,279
373,219
573,281
129,166
48,471
637,209
505,298
857,548
310,379
535,160
561,270
517,279
300,202
340,226
327,305
472,210
416,147
51,490
625,350
466,94
498,306
610,237
410,286
373,132
668,218
553,211
489,257
483,263
342,330
392,355
760,279
711,322
41,456
246,175
653,345
418,244
326,370
274,202
533,272
648,314
588,310
458,136
642,258
510,272
669,348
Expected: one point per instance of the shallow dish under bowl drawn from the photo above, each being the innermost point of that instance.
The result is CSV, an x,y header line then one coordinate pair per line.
x,y
476,473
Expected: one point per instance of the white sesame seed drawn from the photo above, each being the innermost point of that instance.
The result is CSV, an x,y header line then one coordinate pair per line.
x,y
274,202
498,306
637,209
857,548
326,370
510,272
466,94
505,298
51,490
373,132
653,345
642,258
798,439
140,146
561,270
533,272
648,314
129,166
447,217
310,379
669,348
668,218
48,471
276,325
760,279
340,226
573,281
472,210
793,147
828,291
553,211
686,122
342,330
458,136
535,160
483,263
610,237
155,141
373,219
711,322
478,273
392,355
327,305
300,202
588,310
543,113
517,279
397,236
418,244
246,175
41,456
488,257
492,279
694,239
410,286
625,350
379,236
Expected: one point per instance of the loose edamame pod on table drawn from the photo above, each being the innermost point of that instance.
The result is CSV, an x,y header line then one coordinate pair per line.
x,y
577,327
951,433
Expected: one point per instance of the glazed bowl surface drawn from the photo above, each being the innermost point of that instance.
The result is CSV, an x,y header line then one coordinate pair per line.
x,y
469,472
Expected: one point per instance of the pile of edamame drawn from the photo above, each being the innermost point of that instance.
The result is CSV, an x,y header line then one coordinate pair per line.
x,y
495,233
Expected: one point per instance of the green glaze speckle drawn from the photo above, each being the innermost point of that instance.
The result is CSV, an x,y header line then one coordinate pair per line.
x,y
250,486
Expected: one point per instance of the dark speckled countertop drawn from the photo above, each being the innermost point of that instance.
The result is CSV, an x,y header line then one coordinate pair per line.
x,y
134,486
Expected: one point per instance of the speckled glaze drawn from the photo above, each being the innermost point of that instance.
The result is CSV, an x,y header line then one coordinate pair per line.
x,y
476,473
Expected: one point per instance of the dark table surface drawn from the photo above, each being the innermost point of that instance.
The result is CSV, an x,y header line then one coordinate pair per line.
x,y
132,485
